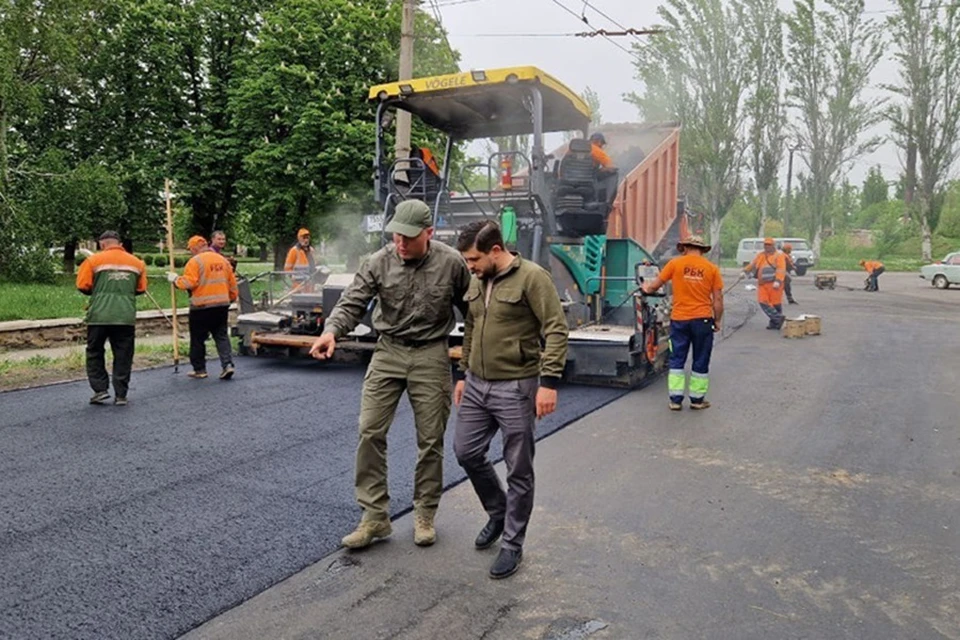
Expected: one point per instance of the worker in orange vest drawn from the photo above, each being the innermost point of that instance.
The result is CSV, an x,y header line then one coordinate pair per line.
x,y
770,268
874,269
597,142
212,286
112,278
791,268
300,262
695,317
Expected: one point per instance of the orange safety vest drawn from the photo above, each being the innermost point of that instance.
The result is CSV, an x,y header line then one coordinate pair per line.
x,y
600,156
209,279
299,262
872,265
430,161
770,269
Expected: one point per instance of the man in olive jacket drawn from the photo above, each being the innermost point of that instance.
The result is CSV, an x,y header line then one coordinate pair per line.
x,y
417,282
513,304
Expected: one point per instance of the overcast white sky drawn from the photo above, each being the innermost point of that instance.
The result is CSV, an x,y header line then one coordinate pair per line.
x,y
476,28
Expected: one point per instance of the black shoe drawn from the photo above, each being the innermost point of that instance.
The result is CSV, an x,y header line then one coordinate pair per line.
x,y
792,302
506,564
227,372
489,534
100,397
120,401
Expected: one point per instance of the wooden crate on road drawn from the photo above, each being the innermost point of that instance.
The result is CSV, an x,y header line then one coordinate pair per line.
x,y
794,328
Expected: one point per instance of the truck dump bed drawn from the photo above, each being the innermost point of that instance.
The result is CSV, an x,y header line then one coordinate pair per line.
x,y
646,208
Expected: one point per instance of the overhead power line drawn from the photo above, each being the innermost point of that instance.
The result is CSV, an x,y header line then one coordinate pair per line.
x,y
514,35
626,32
583,18
586,3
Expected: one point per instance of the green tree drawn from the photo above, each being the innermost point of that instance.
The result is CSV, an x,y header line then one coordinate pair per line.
x,y
764,106
301,108
831,54
73,203
592,98
950,216
697,72
875,188
926,115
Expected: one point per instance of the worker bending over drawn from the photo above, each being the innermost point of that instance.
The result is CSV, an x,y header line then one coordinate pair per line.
x,y
770,268
695,317
874,269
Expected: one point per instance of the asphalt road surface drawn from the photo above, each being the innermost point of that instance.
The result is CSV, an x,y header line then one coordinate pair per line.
x,y
144,521
817,499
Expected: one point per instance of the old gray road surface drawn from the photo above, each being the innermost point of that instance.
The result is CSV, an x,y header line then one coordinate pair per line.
x,y
818,498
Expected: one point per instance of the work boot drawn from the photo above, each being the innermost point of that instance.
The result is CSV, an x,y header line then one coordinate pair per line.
x,y
675,406
506,564
489,534
791,301
199,375
366,533
227,372
100,397
120,401
424,534
700,406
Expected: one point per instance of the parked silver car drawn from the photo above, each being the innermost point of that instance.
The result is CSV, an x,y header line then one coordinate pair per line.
x,y
944,273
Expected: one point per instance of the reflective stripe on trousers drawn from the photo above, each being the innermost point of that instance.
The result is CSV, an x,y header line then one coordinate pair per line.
x,y
699,385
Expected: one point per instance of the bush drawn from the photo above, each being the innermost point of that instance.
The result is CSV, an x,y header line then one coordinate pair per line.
x,y
147,259
159,261
949,224
180,262
79,259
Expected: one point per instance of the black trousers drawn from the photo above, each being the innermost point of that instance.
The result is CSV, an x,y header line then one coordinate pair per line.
x,y
206,322
875,279
121,337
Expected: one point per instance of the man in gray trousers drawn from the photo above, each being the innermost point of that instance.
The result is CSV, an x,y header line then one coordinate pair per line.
x,y
513,304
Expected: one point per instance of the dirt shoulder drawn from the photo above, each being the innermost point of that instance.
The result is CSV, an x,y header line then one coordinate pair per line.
x,y
36,367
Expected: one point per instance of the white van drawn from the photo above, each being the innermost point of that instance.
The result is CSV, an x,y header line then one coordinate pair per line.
x,y
803,255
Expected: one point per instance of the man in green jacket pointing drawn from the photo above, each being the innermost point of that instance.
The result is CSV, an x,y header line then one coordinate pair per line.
x,y
513,304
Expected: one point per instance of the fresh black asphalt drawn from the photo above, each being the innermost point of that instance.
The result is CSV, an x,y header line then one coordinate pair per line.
x,y
144,521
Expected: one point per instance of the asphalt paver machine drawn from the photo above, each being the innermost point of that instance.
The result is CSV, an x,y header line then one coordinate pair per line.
x,y
585,226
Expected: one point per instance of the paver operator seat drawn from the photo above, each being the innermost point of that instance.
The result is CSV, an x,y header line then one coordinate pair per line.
x,y
581,199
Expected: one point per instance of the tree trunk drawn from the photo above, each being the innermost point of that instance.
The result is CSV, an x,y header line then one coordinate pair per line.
x,y
926,240
4,157
715,225
764,207
70,255
264,255
818,239
279,257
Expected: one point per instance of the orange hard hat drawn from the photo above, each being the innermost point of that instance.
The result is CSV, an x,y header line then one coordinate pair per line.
x,y
196,242
787,247
768,241
303,232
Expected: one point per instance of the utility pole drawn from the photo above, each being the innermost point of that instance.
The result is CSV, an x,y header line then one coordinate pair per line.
x,y
786,212
406,72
